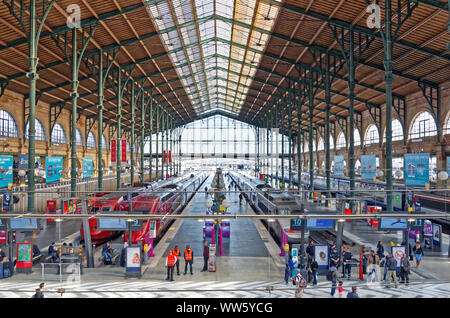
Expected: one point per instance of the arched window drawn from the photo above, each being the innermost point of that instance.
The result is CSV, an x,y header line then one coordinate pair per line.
x,y
58,135
321,145
358,167
341,142
90,143
128,147
372,136
397,131
39,131
306,147
331,143
356,138
8,125
423,126
447,125
79,140
104,143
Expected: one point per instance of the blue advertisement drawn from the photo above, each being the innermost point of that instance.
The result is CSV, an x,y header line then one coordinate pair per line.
x,y
338,165
448,166
53,169
368,167
417,169
320,224
6,171
393,224
88,167
23,224
23,162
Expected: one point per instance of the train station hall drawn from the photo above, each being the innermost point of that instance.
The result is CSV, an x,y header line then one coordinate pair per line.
x,y
197,151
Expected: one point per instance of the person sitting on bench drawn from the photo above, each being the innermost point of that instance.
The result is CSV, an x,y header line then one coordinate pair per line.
x,y
52,251
107,253
36,250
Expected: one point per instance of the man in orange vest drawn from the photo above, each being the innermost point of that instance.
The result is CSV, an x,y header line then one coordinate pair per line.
x,y
170,262
188,259
176,252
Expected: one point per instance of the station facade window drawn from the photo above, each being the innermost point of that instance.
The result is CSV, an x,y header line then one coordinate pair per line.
x,y
321,145
90,142
58,135
356,137
39,131
423,126
104,142
372,136
79,139
397,131
341,142
8,127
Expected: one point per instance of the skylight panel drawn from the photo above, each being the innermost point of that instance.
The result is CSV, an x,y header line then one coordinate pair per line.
x,y
204,8
225,8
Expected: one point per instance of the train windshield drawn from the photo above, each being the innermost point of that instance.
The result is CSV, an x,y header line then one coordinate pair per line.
x,y
95,209
107,209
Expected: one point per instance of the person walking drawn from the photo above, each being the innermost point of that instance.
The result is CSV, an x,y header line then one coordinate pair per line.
x,y
176,252
418,252
240,198
39,291
2,261
206,191
205,256
188,259
404,269
373,267
334,278
170,263
287,273
383,263
314,268
353,293
392,271
309,253
380,250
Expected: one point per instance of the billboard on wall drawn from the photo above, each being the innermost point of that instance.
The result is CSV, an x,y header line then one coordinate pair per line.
x,y
338,165
113,150
6,171
368,166
23,162
417,169
124,150
53,169
448,166
88,167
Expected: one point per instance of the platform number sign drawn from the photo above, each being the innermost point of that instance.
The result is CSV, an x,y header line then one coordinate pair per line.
x,y
417,225
297,225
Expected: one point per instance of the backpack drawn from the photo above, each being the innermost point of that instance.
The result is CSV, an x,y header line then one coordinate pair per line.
x,y
330,275
6,273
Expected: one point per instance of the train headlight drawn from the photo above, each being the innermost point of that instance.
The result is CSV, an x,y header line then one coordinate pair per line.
x,y
341,220
443,175
270,220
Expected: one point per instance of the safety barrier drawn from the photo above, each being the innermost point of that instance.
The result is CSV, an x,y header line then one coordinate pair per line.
x,y
69,273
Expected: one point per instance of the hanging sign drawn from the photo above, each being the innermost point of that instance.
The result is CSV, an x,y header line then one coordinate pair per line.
x,y
164,156
368,167
113,150
124,150
338,165
88,167
23,162
6,171
417,169
170,156
53,169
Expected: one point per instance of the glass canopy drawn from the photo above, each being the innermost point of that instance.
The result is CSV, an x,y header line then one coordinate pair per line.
x,y
215,46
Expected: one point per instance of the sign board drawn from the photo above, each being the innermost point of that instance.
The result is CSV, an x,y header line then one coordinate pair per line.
x,y
5,201
51,209
338,165
297,225
23,162
113,150
368,167
152,229
393,224
321,252
398,202
427,228
212,258
133,260
23,224
6,171
320,224
398,252
417,169
124,150
437,229
24,255
112,224
295,256
417,225
53,169
88,167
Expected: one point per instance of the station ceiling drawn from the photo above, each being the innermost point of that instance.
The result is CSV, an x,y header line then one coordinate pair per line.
x,y
233,57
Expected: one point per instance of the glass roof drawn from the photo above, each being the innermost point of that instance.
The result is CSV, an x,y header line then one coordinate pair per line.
x,y
215,46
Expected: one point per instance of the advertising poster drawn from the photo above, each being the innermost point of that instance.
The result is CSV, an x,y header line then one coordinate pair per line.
x,y
24,255
428,228
320,224
88,167
152,229
393,224
368,167
133,259
124,150
338,165
398,252
437,228
23,224
170,156
321,256
53,169
23,162
448,166
113,150
6,171
417,169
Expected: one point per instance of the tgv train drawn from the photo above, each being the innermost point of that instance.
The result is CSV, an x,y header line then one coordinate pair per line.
x,y
372,192
117,201
168,199
266,200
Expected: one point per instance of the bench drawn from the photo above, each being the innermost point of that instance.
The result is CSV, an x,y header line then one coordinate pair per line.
x,y
37,257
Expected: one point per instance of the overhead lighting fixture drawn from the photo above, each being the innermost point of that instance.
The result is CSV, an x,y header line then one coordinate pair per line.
x,y
341,220
411,220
